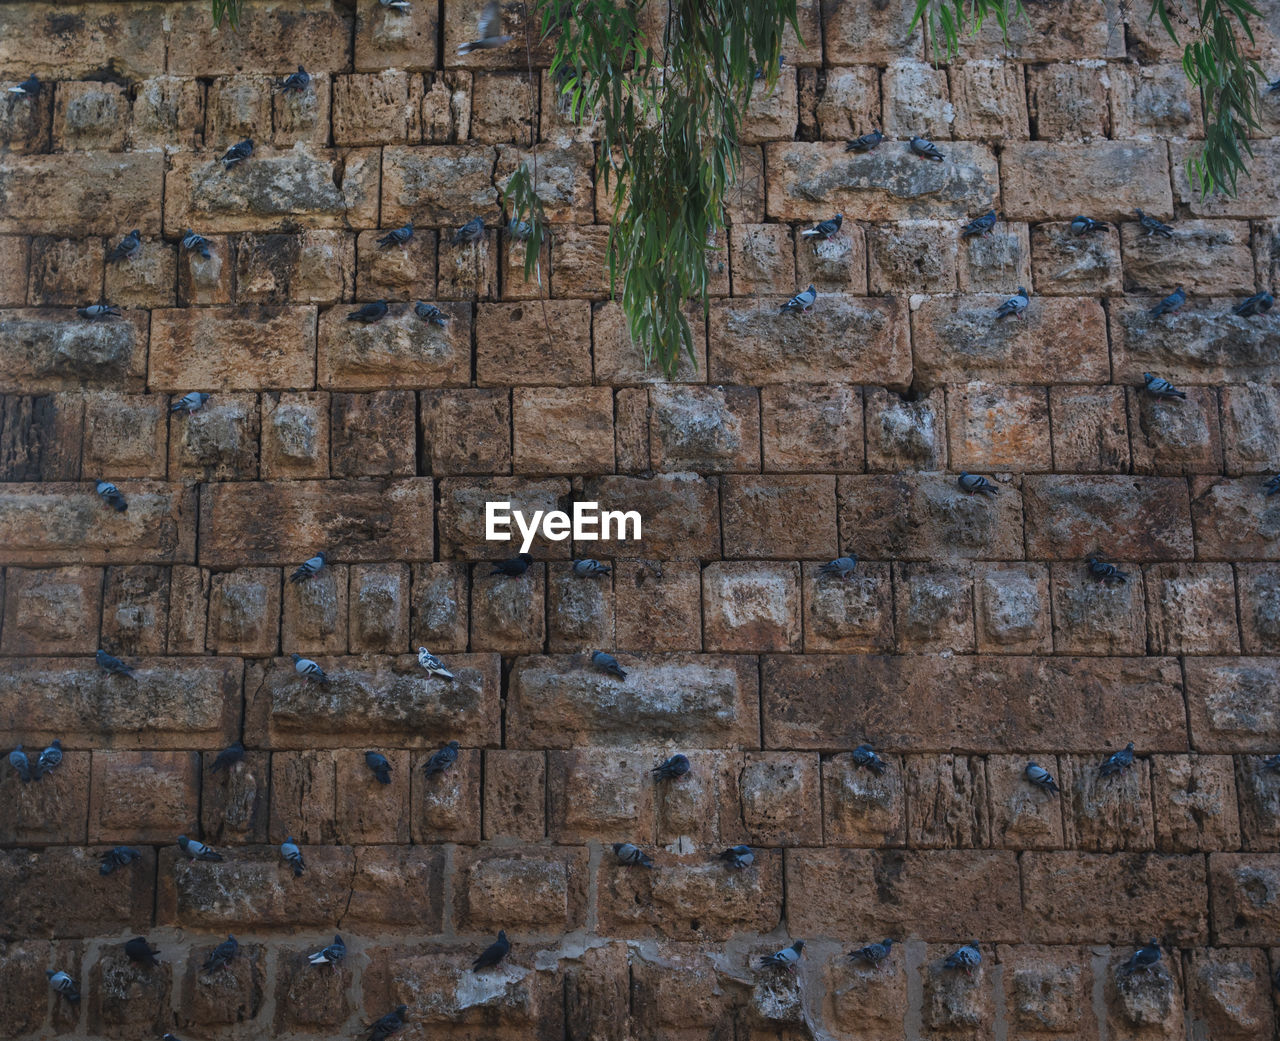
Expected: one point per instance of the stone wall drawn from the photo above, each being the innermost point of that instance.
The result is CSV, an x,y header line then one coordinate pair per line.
x,y
971,638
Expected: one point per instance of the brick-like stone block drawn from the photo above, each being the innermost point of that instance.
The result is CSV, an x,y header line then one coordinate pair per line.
x,y
991,263
314,266
1191,609
1175,436
401,350
377,108
64,272
1250,427
1065,263
685,991
1230,704
1227,990
373,434
581,261
850,103
933,607
580,611
303,117
447,806
52,611
905,432
514,796
1047,989
990,100
500,108
956,1004
389,700
1256,197
947,802
565,430
310,997
379,608
1152,263
244,612
1090,431
1023,816
51,809
602,794
1011,608
704,429
914,256
993,427
389,38
15,255
234,802
468,270
368,811
462,515
680,512
127,999
24,120
619,360
315,613
1057,340
513,348
36,902
436,185
236,107
1259,795
146,279
1107,813
781,799
167,111
295,435
467,431
771,115
658,605
751,607
1144,518
535,889
1095,617
218,442
1244,896
396,272
63,194
915,101
1147,1004
1258,586
834,265
49,351
861,807
257,348
762,257
559,701
1068,101
439,607
566,179
811,428
850,615
304,796
125,435
1234,520
143,796
1103,179
233,993
508,614
1071,897
188,609
788,516
863,339
1195,803
1201,343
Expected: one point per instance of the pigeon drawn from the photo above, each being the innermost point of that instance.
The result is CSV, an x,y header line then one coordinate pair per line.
x,y
1170,303
589,568
1117,762
669,769
397,236
492,954
399,6
296,82
1272,88
430,314
1143,957
519,230
237,153
19,761
330,955
189,402
800,302
490,30
379,764
1272,764
112,497
94,312
228,757
1040,777
785,958
630,854
1105,572
306,667
514,567
63,984
121,856
30,87
1151,226
843,567
369,313
308,568
442,759
50,758
824,229
865,756
760,73
737,856
197,850
222,954
872,953
1159,387
433,664
608,663
965,958
973,483
112,664
388,1024
472,231
866,143
1259,303
926,149
126,247
140,950
981,226
1273,484
194,243
1082,225
1015,305
293,855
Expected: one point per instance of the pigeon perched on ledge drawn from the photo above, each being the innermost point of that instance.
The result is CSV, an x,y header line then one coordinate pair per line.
x,y
1259,303
442,759
1082,225
194,243
842,567
1151,226
140,950
589,568
237,153
1117,762
1015,305
50,759
121,856
295,82
492,954
926,149
823,230
801,302
967,957
1105,572
397,236
388,1024
30,87
95,312
872,953
112,664
293,856
228,757
126,247
1143,958
980,226
430,314
866,757
975,483
472,231
308,568
63,984
369,313
785,958
197,850
308,669
222,955
670,769
1041,777
1170,303
19,761
190,402
329,955
514,567
433,664
737,856
112,496
379,765
627,853
1159,387
866,143
608,663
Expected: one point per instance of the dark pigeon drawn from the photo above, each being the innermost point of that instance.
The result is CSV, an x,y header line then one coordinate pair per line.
x,y
293,855
1151,226
865,756
126,247
113,665
121,856
50,758
926,149
308,669
1117,762
492,954
1272,764
842,567
63,984
1041,777
1272,87
472,231
801,302
872,953
1273,484
222,955
1105,572
330,955
514,567
489,30
1259,303
442,759
397,236
308,567
967,957
30,87
676,766
1082,225
197,850
19,761
589,568
95,312
369,313
430,314
388,1024
631,854
737,856
866,143
140,950
981,226
975,483
379,764
1144,957
228,757
824,229
785,958
1015,305
237,153
190,402
194,243
1170,303
112,496
1159,387
296,82
608,663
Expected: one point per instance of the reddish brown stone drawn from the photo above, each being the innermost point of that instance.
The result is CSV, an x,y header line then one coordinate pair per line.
x,y
462,515
379,608
398,886
811,428
1195,803
567,430
781,799
51,809
369,811
1192,609
315,612
933,607
580,611
446,806
779,516
1095,617
600,794
467,431
514,795
679,513
310,997
143,796
1234,520
127,999
439,607
135,609
1024,816
1244,894
1230,706
704,429
1090,432
230,994
52,611
48,351
514,343
244,612
1105,180
508,614
35,901
63,194
529,890
234,802
1104,814
295,435
851,615
947,802
658,603
1227,990
751,607
1143,518
304,796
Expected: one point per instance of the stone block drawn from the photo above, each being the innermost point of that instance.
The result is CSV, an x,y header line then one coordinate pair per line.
x,y
309,997
1258,587
397,272
501,110
234,802
1250,427
461,515
787,516
231,994
446,107
167,111
658,605
379,608
1011,608
849,103
956,1004
1075,265
704,429
42,436
244,612
49,351
771,115
377,108
468,270
1105,180
15,253
1191,609
869,35
389,38
911,256
438,608
24,120
1047,989
751,607
1153,264
1147,1004
236,107
905,432
374,434
1227,991
436,185
1229,704
580,610
399,351
218,442
619,360
51,809
304,795
994,427
1259,795
762,257
315,613
508,614
368,811
835,265
144,280
916,101
52,611
811,428
257,348
1144,518
1023,816
534,889
295,435
990,100
1257,195
600,794
314,266
991,263
1090,431
127,999
566,430
143,796
947,802
514,795
933,607
849,615
512,344
467,431
1068,101
63,194
684,991
1202,343
860,807
1244,897
188,609
202,280
1234,520
65,272
36,902
566,179
781,799
447,806
680,512
303,117
1195,803
267,38
1104,814
1094,617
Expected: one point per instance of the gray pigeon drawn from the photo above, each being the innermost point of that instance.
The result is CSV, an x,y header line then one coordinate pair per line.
x,y
1272,88
1015,305
608,663
369,313
1170,303
981,226
121,856
1259,303
430,314
872,953
670,769
866,143
194,243
519,230
1105,572
513,568
308,567
974,483
330,955
397,236
1151,226
1082,225
63,984
433,664
824,230
112,664
190,402
399,6
1117,762
296,82
492,954
126,247
140,950
801,302
95,312
490,30
842,567
237,153
737,856
1143,957
926,149
588,568
30,87
472,231
50,758
1040,777
228,757
222,954
967,957
1159,387
785,958
19,761
866,757
633,855
1272,764
197,850
380,765
112,496
388,1024
293,855
309,669
442,759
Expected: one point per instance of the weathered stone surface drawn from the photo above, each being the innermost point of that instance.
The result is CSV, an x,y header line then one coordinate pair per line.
x,y
1104,814
1229,706
34,899
1143,518
87,193
751,607
401,350
1047,989
861,807
307,999
1228,991
314,266
905,431
1095,617
1105,180
219,441
787,516
508,614
462,515
1244,895
679,512
52,611
1223,259
993,427
1256,196
49,350
811,428
53,808
1195,803
851,615
1090,429
366,810
143,796
563,430
947,802
234,802
1202,343
374,434
397,39
1011,608
439,607
912,256
1258,587
618,360
1175,440
513,344
437,185
127,999
1069,264
1023,816
1250,427
267,38
933,607
1192,609
375,109
1234,520
658,602
531,890
241,348
230,994
135,608
514,795
1259,794
704,429
580,611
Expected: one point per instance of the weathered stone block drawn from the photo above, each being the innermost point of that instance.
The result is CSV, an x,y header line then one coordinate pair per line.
x,y
202,280
135,609
1259,792
315,613
462,515
230,994
849,103
51,809
916,101
1107,813
1224,259
1144,518
704,429
788,516
851,615
512,344
991,263
1090,431
1068,102
304,796
127,999
1250,427
861,807
602,794
990,100
467,431
397,272
905,432
468,270
374,434
1023,816
88,116
658,604
1104,179
314,266
811,428
236,107
267,38
35,901
998,427
390,38
871,35
762,257
781,799
447,806
379,608
303,117
168,111
66,194
64,272
188,609
579,610
436,185
446,107
566,430
50,350
1227,990
52,611
508,614
618,360
377,108
143,796
1230,705
218,442
912,256
1258,586
947,802
1191,609
24,120
1257,195
438,614
835,265
1012,612
751,607
310,997
1065,263
1234,520
956,1003
531,890
1047,989
1195,803
1244,895
401,350
514,795
257,348
566,179
1198,344
399,887
368,811
244,612
680,512
234,802
933,607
